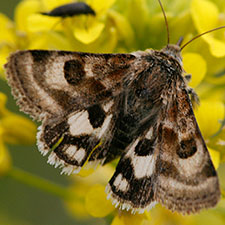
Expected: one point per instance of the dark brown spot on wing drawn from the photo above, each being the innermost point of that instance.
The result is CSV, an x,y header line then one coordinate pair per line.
x,y
169,135
187,148
40,56
144,147
96,115
74,71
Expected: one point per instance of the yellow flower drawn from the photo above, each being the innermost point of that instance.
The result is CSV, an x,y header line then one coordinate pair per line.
x,y
206,16
209,116
195,65
96,202
84,28
89,195
125,218
14,129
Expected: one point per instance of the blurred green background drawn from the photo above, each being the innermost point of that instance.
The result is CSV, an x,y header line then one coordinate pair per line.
x,y
25,205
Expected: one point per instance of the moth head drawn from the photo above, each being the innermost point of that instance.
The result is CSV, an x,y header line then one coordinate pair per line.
x,y
173,51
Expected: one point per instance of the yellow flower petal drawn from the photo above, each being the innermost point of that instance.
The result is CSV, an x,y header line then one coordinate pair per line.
x,y
205,14
131,219
90,33
117,221
50,40
4,53
76,205
37,22
217,47
18,130
86,170
6,26
23,10
215,156
51,4
101,6
96,202
209,114
123,26
195,65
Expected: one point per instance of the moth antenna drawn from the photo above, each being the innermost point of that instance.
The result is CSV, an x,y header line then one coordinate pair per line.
x,y
218,28
166,22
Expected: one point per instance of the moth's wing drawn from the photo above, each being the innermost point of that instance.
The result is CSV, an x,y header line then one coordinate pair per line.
x,y
170,165
55,83
186,178
73,94
73,139
132,185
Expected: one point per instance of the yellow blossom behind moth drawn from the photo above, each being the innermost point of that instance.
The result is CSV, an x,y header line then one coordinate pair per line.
x,y
98,107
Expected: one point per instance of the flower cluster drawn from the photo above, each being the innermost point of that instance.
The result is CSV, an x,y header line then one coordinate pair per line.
x,y
124,26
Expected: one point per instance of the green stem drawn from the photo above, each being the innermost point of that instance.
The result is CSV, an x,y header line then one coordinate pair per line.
x,y
40,183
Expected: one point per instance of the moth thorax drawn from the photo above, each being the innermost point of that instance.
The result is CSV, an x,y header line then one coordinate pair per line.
x,y
174,51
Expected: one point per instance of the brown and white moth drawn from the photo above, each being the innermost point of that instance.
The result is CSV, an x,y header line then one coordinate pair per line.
x,y
133,106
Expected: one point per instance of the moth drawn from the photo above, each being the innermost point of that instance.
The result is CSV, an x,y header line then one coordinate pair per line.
x,y
71,9
98,107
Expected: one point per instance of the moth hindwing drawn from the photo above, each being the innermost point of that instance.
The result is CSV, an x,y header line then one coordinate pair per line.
x,y
97,107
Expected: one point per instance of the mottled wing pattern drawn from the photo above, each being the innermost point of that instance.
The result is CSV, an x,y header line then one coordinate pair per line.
x,y
187,180
132,185
170,164
73,94
58,82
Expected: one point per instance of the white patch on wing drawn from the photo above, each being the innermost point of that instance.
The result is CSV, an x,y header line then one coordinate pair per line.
x,y
70,151
80,154
149,134
45,100
80,124
54,75
144,166
193,164
74,153
105,125
121,183
108,106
